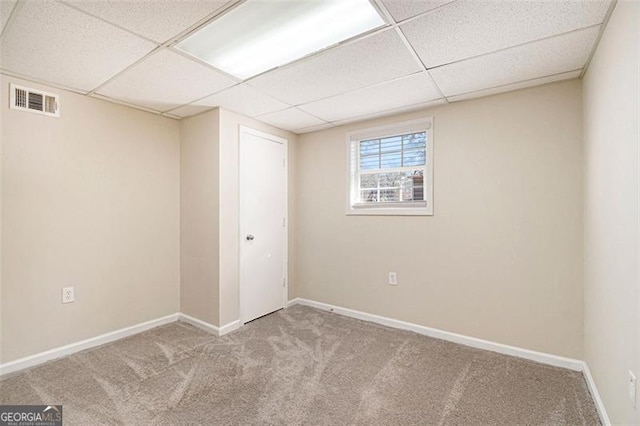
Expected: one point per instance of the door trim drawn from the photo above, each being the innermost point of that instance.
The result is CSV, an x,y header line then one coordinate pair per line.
x,y
245,130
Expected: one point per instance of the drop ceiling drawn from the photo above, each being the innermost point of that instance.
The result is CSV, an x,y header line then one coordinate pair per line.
x,y
430,52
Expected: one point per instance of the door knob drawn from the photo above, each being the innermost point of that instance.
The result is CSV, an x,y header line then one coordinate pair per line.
x,y
250,237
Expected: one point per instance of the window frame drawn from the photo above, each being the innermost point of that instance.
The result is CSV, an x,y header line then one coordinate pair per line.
x,y
353,139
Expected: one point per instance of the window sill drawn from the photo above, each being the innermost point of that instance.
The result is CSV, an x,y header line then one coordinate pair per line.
x,y
388,211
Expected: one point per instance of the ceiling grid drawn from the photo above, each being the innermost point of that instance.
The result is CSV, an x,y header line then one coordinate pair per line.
x,y
429,52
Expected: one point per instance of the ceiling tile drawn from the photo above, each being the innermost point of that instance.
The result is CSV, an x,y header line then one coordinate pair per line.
x,y
469,28
189,110
158,20
404,109
543,58
403,9
120,102
6,6
69,48
243,99
405,91
369,61
516,86
290,119
315,128
164,81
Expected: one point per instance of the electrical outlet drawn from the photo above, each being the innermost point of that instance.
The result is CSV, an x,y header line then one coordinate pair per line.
x,y
393,278
68,295
632,388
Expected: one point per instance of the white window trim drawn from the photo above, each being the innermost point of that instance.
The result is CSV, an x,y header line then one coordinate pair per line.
x,y
403,209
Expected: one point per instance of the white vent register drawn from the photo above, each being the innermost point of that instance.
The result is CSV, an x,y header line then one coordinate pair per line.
x,y
32,100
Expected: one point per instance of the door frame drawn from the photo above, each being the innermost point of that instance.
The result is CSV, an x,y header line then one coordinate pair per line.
x,y
243,131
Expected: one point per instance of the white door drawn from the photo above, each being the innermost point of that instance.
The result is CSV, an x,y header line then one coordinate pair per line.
x,y
263,231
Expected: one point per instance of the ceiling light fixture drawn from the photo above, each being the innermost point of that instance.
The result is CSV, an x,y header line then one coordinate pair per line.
x,y
261,35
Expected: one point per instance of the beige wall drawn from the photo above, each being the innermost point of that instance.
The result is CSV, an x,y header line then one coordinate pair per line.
x,y
89,200
129,208
612,289
501,259
2,84
229,220
209,208
199,236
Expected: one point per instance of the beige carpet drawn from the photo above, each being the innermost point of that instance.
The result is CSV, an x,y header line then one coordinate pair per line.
x,y
300,366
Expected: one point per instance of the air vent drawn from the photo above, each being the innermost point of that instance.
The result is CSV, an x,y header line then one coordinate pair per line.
x,y
32,100
35,101
21,97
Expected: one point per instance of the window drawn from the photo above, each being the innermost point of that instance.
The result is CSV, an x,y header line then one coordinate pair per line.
x,y
391,170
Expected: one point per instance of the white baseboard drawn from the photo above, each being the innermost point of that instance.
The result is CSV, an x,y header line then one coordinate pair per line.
x,y
544,358
42,357
591,384
293,302
72,348
214,329
228,328
203,325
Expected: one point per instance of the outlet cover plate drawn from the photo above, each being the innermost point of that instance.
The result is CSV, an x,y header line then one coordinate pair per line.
x,y
393,278
68,295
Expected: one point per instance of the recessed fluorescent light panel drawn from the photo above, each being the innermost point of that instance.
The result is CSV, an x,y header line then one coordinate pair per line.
x,y
260,35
